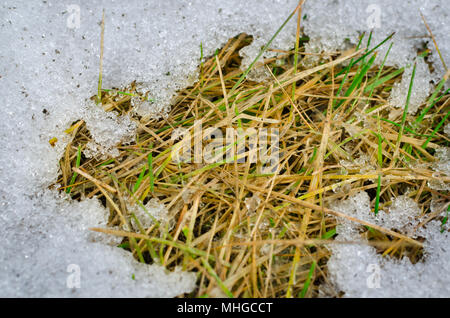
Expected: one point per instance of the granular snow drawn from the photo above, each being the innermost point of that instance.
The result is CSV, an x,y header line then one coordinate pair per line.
x,y
49,70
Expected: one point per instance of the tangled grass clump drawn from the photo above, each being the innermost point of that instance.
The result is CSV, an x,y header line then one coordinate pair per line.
x,y
249,234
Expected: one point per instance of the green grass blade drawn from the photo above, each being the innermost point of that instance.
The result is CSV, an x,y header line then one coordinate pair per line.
x,y
74,176
405,111
377,199
367,54
329,234
347,70
435,130
381,81
358,79
150,170
380,151
375,84
106,163
139,180
432,101
444,220
216,277
308,280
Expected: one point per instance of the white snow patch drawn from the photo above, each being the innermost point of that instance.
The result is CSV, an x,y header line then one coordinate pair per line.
x,y
442,169
420,90
107,130
153,210
359,271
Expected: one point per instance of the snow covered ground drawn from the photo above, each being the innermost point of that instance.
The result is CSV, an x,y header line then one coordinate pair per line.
x,y
49,69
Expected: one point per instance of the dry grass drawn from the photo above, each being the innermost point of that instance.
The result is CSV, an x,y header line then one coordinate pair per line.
x,y
248,234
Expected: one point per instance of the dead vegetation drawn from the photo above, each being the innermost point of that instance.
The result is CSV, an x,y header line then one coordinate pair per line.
x,y
249,234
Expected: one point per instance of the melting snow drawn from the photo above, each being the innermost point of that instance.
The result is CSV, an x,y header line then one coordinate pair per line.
x,y
49,70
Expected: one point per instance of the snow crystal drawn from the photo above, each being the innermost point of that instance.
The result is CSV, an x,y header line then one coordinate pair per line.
x,y
252,203
420,90
107,130
443,163
144,107
438,205
363,162
441,168
154,210
49,246
447,130
179,132
359,271
403,214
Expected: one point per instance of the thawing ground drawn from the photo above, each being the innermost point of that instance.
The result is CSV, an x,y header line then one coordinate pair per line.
x,y
49,70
